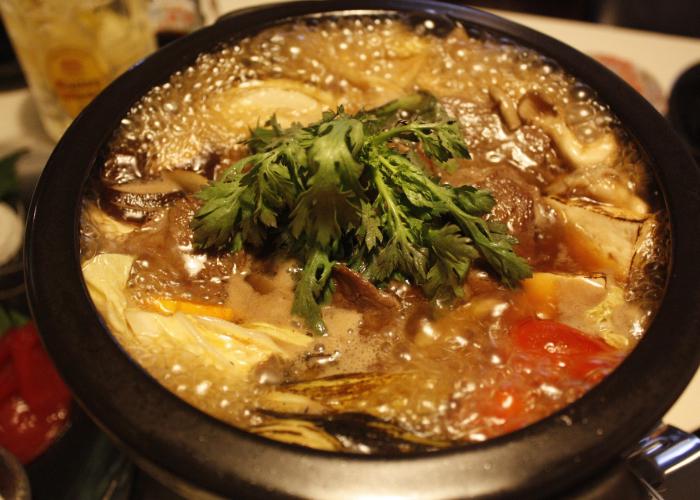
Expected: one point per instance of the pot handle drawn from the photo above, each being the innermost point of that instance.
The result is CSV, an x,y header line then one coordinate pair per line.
x,y
667,462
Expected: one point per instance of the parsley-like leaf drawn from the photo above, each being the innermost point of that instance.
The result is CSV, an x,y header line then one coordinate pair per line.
x,y
351,188
453,254
312,290
369,233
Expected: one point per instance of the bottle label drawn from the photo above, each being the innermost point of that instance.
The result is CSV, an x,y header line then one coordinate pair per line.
x,y
76,77
178,16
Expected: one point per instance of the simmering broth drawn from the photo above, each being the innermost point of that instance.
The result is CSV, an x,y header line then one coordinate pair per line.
x,y
397,371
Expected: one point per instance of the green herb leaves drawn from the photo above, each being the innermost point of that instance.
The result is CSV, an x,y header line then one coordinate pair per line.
x,y
330,203
313,289
353,188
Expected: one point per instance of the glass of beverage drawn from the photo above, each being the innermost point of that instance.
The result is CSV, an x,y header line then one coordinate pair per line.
x,y
71,49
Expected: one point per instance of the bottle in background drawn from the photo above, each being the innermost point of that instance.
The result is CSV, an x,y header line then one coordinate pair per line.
x,y
175,18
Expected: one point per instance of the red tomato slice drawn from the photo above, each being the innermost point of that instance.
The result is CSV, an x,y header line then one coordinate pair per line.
x,y
576,353
551,337
506,404
544,352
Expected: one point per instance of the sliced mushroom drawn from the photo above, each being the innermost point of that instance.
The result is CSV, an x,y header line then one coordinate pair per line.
x,y
602,183
136,201
506,107
346,389
187,180
106,225
534,109
360,291
299,432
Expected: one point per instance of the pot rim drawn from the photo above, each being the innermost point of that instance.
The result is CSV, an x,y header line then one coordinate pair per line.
x,y
164,431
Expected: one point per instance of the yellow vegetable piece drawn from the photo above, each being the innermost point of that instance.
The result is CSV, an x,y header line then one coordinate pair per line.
x,y
171,306
541,293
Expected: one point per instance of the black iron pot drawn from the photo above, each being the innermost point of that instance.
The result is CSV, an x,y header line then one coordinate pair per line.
x,y
190,449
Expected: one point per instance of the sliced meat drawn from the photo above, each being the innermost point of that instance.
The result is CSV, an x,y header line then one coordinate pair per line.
x,y
167,265
355,292
515,199
527,149
179,218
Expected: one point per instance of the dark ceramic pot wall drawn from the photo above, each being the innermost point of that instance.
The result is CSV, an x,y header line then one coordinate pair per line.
x,y
188,448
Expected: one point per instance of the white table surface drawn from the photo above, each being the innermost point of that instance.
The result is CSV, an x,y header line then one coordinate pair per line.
x,y
663,56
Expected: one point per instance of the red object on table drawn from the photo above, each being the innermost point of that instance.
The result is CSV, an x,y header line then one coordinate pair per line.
x,y
34,401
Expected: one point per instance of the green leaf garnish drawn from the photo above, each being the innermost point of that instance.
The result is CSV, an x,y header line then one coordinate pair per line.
x,y
354,189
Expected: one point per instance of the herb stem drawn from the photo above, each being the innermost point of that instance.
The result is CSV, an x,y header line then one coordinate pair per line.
x,y
397,131
386,194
